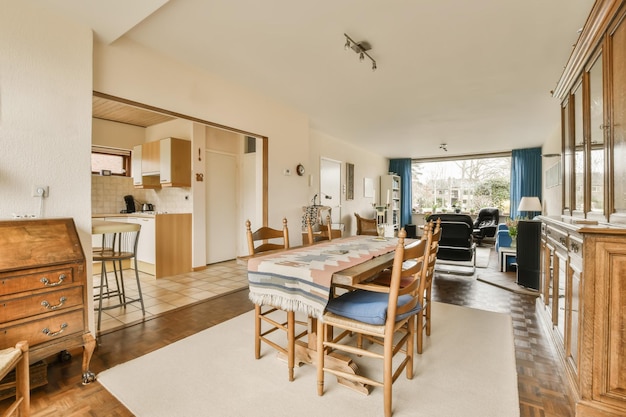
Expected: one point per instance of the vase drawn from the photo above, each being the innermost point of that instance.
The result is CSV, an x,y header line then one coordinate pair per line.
x,y
513,241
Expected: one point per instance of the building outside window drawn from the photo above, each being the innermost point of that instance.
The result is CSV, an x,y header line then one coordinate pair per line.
x,y
461,185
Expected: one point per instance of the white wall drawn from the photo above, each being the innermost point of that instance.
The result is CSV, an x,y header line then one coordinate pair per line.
x,y
45,116
366,165
551,197
130,71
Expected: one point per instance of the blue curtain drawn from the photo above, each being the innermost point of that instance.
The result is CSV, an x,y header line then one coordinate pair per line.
x,y
402,167
525,177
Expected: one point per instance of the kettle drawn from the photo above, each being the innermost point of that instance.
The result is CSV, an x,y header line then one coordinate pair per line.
x,y
147,207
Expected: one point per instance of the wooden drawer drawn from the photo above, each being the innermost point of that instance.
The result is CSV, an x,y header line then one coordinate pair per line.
x,y
42,330
557,237
15,307
11,283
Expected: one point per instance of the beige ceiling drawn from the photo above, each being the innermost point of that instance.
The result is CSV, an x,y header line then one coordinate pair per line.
x,y
475,75
106,109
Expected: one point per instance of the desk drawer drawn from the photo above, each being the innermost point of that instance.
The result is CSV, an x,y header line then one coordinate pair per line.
x,y
11,283
43,329
15,307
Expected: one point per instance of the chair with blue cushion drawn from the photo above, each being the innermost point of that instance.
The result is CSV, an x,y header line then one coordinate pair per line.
x,y
377,313
503,239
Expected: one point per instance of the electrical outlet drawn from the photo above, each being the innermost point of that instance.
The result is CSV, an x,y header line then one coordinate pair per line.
x,y
40,191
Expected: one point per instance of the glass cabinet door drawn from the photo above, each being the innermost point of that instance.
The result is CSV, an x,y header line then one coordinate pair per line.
x,y
618,115
578,186
568,157
596,137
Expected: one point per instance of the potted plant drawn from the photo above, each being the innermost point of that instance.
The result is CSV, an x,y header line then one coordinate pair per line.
x,y
512,225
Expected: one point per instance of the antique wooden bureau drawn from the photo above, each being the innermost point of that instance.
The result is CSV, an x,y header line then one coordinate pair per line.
x,y
43,289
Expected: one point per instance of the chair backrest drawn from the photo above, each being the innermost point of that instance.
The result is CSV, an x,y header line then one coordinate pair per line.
x,y
365,226
487,221
456,242
406,278
118,241
325,232
280,238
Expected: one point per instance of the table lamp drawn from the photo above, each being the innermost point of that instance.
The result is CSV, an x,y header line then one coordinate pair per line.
x,y
529,204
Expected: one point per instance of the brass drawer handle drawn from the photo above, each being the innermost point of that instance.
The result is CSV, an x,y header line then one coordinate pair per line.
x,y
574,247
562,240
47,305
47,331
47,283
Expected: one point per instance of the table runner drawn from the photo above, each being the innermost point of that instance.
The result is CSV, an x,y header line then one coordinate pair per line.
x,y
300,279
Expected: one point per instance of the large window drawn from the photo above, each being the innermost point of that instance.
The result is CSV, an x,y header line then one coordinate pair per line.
x,y
464,185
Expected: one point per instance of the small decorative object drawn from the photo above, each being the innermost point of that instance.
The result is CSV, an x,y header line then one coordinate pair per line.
x,y
300,169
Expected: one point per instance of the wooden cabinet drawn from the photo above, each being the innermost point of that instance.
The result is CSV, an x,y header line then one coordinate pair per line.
x,y
583,299
164,247
593,112
139,179
175,162
162,163
390,197
43,296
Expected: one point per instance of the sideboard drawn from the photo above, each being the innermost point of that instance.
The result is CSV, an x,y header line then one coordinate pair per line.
x,y
583,302
43,289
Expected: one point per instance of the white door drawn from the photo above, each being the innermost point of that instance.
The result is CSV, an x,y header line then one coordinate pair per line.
x,y
221,203
330,187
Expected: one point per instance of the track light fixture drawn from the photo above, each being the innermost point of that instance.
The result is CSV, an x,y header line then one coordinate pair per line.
x,y
361,49
444,146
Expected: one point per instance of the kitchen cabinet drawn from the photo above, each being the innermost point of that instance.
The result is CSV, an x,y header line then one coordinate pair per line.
x,y
43,289
139,179
162,163
175,162
164,246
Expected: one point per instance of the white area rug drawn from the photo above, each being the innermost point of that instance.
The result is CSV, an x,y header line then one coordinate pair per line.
x,y
467,369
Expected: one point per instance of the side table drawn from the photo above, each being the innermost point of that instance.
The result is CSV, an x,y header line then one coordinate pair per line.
x,y
504,253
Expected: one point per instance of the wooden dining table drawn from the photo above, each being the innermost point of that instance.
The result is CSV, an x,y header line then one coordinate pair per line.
x,y
289,267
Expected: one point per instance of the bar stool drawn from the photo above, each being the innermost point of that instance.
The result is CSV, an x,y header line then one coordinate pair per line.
x,y
119,243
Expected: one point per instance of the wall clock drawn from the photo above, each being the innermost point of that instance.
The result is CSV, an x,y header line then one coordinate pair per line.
x,y
300,169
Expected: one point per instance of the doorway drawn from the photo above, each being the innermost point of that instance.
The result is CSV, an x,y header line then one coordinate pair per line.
x,y
330,187
221,201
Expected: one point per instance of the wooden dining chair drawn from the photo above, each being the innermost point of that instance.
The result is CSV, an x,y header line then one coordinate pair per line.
x,y
366,226
16,358
433,235
382,314
272,239
326,231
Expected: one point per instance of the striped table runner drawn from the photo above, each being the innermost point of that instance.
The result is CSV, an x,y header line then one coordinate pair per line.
x,y
300,279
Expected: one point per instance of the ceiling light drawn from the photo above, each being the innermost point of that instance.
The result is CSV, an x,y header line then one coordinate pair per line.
x,y
444,147
361,49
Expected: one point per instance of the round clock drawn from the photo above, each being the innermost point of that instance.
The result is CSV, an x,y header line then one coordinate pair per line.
x,y
300,169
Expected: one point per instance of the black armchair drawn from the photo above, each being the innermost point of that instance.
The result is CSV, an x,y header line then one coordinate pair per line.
x,y
486,223
456,243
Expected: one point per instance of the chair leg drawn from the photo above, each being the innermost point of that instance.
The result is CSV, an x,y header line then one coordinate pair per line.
x,y
103,274
320,356
420,331
22,381
291,342
143,310
257,331
388,375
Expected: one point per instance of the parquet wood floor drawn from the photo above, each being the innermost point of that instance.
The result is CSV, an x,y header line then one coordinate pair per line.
x,y
541,388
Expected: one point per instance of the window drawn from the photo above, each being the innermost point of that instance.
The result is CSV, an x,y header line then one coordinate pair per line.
x,y
465,185
117,161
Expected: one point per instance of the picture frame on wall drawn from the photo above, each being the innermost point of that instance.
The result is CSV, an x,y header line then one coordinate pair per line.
x,y
349,181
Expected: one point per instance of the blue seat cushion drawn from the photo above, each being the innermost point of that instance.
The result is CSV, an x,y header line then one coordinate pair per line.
x,y
367,306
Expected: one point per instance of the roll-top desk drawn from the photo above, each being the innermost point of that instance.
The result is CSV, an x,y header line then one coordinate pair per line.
x,y
43,291
583,302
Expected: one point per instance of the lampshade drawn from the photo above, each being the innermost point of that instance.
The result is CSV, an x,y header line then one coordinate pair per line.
x,y
529,204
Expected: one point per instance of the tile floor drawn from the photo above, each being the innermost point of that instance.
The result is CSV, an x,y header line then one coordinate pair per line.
x,y
169,293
